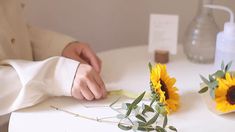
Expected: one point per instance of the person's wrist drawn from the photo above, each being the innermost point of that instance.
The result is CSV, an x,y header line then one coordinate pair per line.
x,y
71,90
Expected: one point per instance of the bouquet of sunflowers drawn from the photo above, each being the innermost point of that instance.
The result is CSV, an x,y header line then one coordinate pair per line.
x,y
221,87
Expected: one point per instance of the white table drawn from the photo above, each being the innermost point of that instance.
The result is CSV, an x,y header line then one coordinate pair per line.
x,y
127,68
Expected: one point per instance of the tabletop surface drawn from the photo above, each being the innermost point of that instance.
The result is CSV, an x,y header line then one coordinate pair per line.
x,y
127,68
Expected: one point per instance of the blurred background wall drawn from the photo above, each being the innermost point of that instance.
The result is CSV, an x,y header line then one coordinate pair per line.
x,y
107,24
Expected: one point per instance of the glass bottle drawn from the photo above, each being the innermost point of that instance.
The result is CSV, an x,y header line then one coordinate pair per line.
x,y
200,38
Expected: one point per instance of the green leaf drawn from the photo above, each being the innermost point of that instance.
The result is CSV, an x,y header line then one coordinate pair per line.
x,y
211,78
154,97
228,66
160,129
124,127
153,119
141,123
145,128
213,85
137,100
204,80
146,109
134,103
212,93
165,121
222,65
128,112
203,90
172,128
218,74
140,117
150,66
161,108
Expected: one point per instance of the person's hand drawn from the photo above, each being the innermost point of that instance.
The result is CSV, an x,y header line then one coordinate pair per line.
x,y
88,84
82,53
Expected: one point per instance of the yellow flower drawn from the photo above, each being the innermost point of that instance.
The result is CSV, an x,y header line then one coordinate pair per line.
x,y
163,85
225,94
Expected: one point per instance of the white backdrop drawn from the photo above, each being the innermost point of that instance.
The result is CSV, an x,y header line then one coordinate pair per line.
x,y
109,24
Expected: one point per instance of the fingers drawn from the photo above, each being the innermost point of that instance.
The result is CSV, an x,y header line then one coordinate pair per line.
x,y
95,88
86,92
81,91
76,92
101,85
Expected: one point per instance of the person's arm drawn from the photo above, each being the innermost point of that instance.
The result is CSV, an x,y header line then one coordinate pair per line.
x,y
47,43
26,83
88,83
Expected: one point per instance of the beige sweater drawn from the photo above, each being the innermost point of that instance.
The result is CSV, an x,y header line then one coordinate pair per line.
x,y
24,80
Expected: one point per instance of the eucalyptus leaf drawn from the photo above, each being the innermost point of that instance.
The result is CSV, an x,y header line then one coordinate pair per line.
x,y
211,78
154,97
141,123
212,93
213,85
140,117
228,66
203,90
138,99
134,104
172,128
160,129
128,112
165,121
150,66
219,74
222,65
161,109
153,119
146,109
124,127
204,80
144,128
135,107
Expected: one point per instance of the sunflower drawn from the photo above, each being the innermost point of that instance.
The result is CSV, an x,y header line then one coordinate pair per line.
x,y
225,94
163,85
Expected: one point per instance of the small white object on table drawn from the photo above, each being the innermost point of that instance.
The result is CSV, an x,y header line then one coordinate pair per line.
x,y
127,68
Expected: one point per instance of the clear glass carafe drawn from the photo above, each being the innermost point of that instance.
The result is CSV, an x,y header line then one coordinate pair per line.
x,y
200,37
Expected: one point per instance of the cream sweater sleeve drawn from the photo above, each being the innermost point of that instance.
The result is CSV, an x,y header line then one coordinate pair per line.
x,y
47,43
26,83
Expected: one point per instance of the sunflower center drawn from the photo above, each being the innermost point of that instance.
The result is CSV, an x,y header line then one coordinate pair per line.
x,y
231,95
164,88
